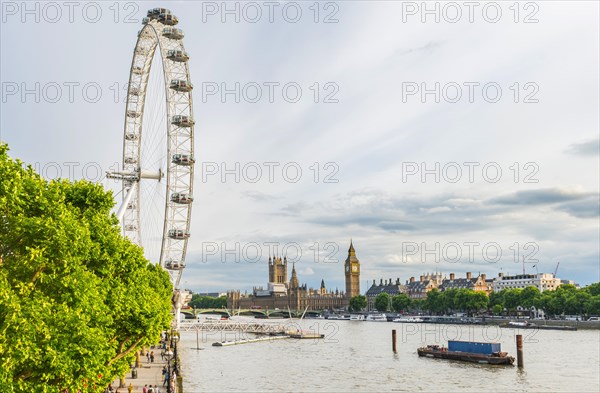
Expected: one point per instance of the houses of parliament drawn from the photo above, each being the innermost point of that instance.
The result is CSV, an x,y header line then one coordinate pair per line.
x,y
283,293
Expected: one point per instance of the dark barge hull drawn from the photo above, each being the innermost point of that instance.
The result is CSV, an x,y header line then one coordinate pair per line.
x,y
466,357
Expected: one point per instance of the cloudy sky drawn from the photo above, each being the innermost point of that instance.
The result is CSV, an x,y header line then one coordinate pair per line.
x,y
459,139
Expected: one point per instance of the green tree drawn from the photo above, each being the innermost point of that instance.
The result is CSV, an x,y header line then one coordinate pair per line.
x,y
460,299
401,302
435,301
358,303
593,305
544,303
497,309
576,302
497,298
417,304
512,299
76,298
476,302
382,302
567,299
200,302
448,301
592,289
528,296
469,300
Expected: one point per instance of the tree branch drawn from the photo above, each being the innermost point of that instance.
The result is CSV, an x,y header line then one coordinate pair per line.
x,y
37,274
122,354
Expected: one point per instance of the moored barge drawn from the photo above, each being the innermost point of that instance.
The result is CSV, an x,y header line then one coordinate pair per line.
x,y
468,351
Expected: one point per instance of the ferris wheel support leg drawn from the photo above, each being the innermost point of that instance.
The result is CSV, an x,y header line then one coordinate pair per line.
x,y
126,201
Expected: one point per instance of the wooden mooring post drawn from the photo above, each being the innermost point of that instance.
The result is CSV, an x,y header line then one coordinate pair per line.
x,y
519,350
394,340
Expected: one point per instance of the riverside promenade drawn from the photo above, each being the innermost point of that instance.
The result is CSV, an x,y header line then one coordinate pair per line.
x,y
147,374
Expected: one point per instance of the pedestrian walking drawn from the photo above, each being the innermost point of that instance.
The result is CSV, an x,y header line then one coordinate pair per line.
x,y
152,357
148,356
145,388
150,389
130,388
156,389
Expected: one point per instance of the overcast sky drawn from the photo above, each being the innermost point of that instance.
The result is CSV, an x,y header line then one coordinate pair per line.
x,y
499,155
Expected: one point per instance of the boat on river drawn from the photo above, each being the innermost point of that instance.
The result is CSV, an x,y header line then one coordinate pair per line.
x,y
339,317
376,318
468,351
357,317
531,325
408,320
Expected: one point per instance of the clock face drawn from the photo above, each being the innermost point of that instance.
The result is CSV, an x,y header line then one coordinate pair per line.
x,y
355,268
347,268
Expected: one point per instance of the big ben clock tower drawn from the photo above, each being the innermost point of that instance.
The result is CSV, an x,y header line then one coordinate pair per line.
x,y
352,268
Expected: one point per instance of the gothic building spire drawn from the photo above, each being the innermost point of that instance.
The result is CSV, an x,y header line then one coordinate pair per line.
x,y
294,280
351,251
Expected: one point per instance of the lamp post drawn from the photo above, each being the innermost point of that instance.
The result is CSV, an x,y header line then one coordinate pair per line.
x,y
168,355
175,358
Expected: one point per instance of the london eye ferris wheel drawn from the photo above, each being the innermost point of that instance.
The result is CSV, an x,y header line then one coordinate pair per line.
x,y
158,147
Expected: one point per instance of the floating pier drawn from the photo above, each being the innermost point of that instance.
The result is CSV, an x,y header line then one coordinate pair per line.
x,y
248,341
306,335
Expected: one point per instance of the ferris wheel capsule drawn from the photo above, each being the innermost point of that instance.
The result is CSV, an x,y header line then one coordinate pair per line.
x,y
173,33
168,19
182,198
178,56
154,13
181,86
182,121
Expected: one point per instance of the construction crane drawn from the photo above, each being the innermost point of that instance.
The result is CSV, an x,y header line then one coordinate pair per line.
x,y
555,270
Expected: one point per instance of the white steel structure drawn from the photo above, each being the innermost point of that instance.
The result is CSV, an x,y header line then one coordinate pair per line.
x,y
158,147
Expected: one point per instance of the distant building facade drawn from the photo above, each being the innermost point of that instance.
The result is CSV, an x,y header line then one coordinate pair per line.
x,y
211,294
427,282
542,281
478,284
281,293
388,286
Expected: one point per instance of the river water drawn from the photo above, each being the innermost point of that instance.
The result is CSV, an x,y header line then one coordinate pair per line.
x,y
357,356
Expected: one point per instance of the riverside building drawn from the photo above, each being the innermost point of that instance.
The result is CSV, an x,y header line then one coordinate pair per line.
x,y
542,281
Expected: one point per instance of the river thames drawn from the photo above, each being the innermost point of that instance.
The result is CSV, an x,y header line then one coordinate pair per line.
x,y
357,356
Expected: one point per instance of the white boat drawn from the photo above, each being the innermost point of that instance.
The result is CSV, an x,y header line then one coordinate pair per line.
x,y
357,317
518,324
339,317
408,320
376,318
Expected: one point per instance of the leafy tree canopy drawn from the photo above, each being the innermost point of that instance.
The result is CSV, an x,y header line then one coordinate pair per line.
x,y
358,303
382,302
76,298
199,301
401,302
